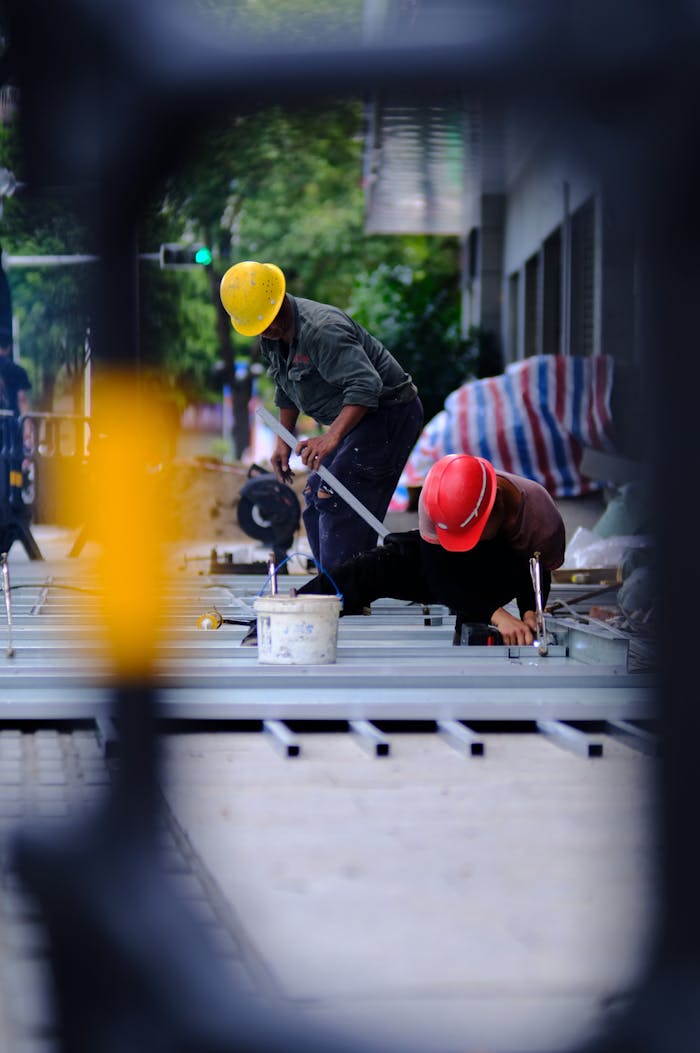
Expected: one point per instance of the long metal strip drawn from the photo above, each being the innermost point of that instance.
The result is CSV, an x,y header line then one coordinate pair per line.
x,y
10,651
370,738
325,474
634,737
283,738
461,737
73,701
569,738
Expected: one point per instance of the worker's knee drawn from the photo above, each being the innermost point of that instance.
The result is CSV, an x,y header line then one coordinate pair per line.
x,y
311,493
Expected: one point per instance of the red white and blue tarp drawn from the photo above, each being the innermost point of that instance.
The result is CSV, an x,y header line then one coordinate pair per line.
x,y
533,420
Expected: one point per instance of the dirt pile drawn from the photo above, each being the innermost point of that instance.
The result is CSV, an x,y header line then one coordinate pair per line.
x,y
203,497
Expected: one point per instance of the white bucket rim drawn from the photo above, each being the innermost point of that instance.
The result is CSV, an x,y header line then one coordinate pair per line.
x,y
261,601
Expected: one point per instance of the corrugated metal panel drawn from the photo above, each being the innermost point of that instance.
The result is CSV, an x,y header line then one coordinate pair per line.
x,y
416,169
429,161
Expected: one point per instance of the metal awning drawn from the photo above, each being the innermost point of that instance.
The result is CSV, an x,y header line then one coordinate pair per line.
x,y
416,168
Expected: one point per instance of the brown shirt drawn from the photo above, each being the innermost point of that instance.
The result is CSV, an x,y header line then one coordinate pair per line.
x,y
538,526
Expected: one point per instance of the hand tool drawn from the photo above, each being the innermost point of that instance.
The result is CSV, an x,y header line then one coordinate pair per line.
x,y
478,634
325,474
536,575
210,620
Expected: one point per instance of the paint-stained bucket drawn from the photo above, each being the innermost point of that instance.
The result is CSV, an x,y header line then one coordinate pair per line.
x,y
297,630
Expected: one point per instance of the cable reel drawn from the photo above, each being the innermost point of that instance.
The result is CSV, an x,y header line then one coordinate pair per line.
x,y
269,511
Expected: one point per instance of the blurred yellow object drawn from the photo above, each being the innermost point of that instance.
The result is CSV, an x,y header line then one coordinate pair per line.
x,y
210,620
123,507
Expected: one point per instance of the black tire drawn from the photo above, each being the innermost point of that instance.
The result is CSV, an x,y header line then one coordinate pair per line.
x,y
269,512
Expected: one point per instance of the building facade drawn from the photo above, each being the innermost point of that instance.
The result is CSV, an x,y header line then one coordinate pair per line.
x,y
549,261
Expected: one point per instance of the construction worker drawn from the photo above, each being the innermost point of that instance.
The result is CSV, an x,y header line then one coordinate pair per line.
x,y
14,387
14,381
477,531
327,366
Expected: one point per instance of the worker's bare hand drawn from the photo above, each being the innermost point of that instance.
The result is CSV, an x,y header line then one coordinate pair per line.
x,y
279,459
512,629
314,451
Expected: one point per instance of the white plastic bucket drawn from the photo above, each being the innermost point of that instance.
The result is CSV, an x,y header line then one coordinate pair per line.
x,y
297,630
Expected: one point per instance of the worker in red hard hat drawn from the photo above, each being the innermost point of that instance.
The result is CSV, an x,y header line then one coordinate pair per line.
x,y
457,500
493,522
478,528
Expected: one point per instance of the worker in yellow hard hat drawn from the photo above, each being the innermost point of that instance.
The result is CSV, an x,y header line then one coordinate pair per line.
x,y
252,294
327,366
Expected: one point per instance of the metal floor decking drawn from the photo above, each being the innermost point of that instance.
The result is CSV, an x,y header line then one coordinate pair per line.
x,y
397,664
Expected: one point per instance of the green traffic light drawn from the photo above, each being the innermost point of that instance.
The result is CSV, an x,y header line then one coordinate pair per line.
x,y
203,256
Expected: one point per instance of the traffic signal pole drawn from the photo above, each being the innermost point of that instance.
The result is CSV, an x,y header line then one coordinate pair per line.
x,y
170,257
8,260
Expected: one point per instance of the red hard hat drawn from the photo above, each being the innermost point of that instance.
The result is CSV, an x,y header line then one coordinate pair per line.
x,y
458,495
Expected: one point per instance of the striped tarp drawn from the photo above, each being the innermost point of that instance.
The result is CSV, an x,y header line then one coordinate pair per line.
x,y
533,420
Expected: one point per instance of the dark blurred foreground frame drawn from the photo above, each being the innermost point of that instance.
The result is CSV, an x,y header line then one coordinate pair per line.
x,y
107,93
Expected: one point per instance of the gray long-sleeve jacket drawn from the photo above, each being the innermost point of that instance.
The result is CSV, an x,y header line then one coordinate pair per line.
x,y
332,362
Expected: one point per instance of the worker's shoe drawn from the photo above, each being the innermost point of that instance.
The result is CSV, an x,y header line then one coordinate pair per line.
x,y
251,637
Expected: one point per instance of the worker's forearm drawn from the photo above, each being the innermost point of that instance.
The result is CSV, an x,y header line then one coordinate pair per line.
x,y
288,418
279,458
346,420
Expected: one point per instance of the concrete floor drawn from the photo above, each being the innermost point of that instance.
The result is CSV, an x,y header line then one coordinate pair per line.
x,y
502,903
423,901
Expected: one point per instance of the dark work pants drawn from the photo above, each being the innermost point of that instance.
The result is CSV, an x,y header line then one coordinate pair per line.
x,y
472,584
369,462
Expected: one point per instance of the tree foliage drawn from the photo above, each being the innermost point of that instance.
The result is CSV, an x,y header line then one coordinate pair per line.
x,y
295,22
286,186
51,305
279,184
414,307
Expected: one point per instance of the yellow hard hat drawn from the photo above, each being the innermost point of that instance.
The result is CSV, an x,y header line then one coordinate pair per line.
x,y
252,294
